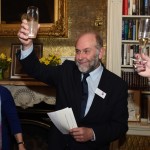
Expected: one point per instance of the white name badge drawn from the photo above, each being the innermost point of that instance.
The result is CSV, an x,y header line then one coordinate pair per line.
x,y
100,93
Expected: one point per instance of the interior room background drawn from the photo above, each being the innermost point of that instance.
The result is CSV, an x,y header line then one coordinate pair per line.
x,y
82,15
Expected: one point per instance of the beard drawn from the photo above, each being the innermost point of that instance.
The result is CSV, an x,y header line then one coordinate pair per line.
x,y
92,64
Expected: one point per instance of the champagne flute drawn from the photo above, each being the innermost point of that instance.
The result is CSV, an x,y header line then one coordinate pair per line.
x,y
143,35
33,19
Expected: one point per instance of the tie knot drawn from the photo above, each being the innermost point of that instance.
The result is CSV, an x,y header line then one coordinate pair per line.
x,y
85,75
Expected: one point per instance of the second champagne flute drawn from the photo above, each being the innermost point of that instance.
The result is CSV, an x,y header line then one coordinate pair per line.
x,y
33,20
143,35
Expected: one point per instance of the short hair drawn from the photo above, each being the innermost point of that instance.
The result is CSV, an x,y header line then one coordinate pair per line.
x,y
98,37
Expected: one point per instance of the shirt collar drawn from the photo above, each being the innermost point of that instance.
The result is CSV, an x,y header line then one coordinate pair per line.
x,y
97,72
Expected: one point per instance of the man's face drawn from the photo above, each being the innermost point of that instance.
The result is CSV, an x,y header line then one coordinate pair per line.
x,y
87,56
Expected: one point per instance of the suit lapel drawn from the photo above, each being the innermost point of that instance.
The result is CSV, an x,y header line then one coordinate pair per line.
x,y
77,94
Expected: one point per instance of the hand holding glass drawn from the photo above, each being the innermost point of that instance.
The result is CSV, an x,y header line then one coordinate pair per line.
x,y
143,35
33,19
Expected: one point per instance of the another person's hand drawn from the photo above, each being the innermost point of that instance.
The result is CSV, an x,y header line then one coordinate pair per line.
x,y
142,67
82,134
23,35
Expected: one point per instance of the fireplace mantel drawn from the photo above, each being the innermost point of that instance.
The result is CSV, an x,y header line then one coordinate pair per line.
x,y
21,82
28,93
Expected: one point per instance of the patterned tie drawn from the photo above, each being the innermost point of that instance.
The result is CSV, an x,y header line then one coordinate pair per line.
x,y
84,94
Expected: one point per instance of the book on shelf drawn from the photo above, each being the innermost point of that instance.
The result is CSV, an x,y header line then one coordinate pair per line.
x,y
125,7
137,28
134,32
124,54
130,8
148,7
133,80
126,29
136,7
130,29
128,54
135,49
141,7
131,55
123,31
133,7
128,51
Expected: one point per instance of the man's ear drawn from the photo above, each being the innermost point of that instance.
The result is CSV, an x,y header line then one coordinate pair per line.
x,y
101,52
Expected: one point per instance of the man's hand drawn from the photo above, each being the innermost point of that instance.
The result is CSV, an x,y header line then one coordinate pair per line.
x,y
23,34
82,134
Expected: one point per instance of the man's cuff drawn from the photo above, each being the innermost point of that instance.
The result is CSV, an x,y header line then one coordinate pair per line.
x,y
26,52
94,137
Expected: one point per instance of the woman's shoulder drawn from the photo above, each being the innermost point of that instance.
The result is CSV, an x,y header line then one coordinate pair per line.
x,y
2,88
4,91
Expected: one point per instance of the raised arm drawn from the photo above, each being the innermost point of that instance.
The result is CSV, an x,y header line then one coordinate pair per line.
x,y
23,35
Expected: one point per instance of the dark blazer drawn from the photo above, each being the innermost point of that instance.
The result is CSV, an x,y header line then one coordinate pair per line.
x,y
10,121
107,117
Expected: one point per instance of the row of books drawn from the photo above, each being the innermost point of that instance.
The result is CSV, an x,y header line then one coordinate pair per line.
x,y
130,29
128,51
134,80
136,7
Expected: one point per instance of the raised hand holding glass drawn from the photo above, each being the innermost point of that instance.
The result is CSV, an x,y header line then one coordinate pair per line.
x,y
33,19
143,35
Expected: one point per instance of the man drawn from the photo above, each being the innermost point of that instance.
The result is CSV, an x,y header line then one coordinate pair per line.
x,y
106,114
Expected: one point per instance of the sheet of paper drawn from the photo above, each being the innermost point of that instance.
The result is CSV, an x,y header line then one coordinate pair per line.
x,y
63,119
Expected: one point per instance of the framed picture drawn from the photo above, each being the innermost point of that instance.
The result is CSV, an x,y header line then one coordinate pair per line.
x,y
134,105
148,108
16,71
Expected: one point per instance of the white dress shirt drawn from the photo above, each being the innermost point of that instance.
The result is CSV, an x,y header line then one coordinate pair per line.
x,y
93,81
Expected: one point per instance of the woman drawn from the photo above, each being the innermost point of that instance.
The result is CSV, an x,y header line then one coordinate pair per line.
x,y
9,121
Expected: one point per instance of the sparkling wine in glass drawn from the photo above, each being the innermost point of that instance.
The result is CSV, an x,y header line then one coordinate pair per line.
x,y
143,35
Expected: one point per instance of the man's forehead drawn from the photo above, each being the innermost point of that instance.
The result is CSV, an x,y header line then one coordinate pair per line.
x,y
87,35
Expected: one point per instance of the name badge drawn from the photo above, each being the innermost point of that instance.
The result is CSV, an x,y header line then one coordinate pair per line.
x,y
100,93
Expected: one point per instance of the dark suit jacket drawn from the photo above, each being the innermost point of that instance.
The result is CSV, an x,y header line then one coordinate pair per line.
x,y
107,117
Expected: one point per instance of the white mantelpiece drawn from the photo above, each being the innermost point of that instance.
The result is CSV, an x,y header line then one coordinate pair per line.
x,y
28,93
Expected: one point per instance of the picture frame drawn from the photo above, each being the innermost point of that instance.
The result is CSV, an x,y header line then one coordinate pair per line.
x,y
148,108
16,70
57,26
134,105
